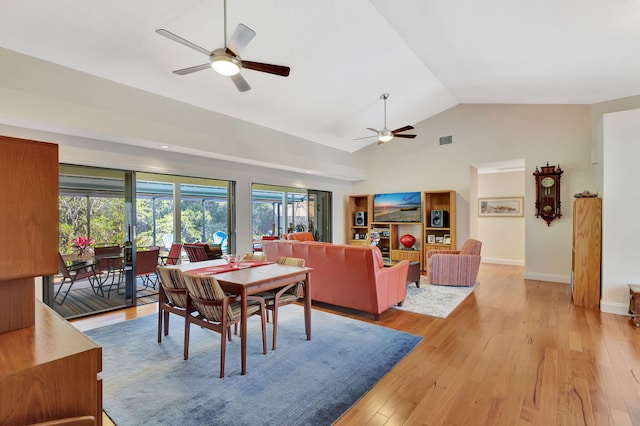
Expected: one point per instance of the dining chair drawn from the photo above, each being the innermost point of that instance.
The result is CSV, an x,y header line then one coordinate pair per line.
x,y
253,256
282,296
215,310
172,298
71,274
173,256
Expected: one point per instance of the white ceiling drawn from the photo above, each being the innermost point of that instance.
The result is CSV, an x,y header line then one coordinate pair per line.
x,y
429,55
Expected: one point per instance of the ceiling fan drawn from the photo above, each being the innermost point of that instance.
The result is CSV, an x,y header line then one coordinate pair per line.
x,y
226,60
385,135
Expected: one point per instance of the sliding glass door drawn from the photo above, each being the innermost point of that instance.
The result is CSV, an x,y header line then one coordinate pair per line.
x,y
108,217
279,210
93,215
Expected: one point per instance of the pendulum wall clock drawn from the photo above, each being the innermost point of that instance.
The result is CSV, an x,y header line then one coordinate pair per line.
x,y
548,192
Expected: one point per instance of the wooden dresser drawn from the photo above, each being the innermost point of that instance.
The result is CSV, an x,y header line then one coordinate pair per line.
x,y
48,369
586,252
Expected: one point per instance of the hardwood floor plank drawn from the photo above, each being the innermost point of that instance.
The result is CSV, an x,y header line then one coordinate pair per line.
x,y
515,352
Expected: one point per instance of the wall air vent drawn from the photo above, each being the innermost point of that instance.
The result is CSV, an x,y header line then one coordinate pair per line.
x,y
446,140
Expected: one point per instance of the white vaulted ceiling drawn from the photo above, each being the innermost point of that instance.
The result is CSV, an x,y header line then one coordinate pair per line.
x,y
429,55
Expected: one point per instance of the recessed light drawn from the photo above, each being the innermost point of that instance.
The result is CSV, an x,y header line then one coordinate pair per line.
x,y
165,146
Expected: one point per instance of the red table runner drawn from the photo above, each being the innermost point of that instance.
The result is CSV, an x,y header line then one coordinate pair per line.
x,y
218,269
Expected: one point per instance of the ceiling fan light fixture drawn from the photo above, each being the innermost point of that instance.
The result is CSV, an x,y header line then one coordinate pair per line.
x,y
225,64
385,136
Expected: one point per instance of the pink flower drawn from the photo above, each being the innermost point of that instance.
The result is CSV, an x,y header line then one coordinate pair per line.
x,y
82,244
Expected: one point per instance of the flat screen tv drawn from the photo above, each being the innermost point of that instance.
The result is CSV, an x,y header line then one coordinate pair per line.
x,y
397,207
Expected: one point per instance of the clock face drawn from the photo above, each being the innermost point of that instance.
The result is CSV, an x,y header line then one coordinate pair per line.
x,y
547,182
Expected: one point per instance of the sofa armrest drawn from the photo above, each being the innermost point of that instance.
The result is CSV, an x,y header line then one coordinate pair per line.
x,y
391,284
454,270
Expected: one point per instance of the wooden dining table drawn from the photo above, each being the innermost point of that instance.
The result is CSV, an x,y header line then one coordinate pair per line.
x,y
247,281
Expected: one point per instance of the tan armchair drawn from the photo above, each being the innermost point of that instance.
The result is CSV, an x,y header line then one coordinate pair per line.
x,y
455,267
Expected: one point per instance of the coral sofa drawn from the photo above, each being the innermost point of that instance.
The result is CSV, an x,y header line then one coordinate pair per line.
x,y
348,276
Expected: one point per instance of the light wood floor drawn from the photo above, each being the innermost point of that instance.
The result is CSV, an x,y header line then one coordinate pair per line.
x,y
514,352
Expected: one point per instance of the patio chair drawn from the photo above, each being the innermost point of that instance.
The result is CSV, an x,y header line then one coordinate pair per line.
x,y
109,259
167,239
174,255
282,296
146,263
217,311
220,238
196,253
71,274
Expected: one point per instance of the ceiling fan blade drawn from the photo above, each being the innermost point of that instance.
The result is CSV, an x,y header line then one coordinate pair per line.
x,y
365,137
404,136
402,129
240,38
240,83
269,68
373,130
190,70
182,41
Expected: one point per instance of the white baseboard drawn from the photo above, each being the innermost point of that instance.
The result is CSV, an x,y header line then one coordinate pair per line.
x,y
614,308
565,279
512,262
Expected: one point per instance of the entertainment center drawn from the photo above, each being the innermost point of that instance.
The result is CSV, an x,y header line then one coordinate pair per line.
x,y
383,219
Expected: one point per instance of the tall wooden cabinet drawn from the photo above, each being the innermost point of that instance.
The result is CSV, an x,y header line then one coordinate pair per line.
x,y
586,252
48,369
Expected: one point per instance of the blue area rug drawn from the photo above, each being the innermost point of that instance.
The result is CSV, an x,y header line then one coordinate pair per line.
x,y
302,382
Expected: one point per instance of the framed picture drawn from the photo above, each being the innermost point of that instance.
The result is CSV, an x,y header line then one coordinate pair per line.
x,y
439,240
431,239
502,206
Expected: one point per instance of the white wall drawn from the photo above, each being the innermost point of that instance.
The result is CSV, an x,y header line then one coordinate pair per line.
x,y
502,237
42,95
492,133
621,204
